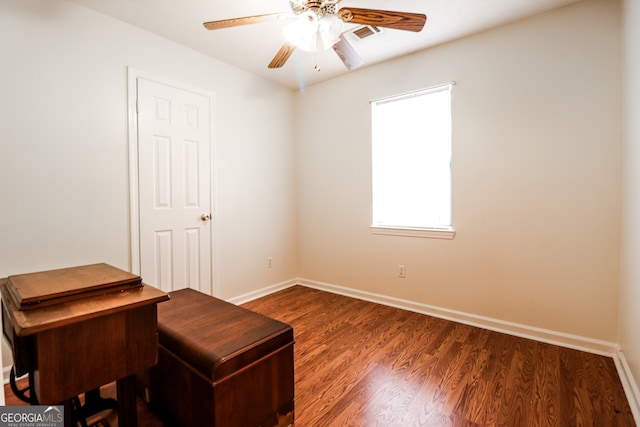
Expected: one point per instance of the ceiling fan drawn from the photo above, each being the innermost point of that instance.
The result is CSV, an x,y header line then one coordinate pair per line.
x,y
319,23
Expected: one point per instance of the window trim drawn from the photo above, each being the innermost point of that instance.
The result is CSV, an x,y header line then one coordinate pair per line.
x,y
445,232
433,233
417,92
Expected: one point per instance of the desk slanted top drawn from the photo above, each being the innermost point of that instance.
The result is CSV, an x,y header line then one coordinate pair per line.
x,y
64,299
35,290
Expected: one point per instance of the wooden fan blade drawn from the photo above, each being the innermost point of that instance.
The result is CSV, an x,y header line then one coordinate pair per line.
x,y
347,54
234,22
282,56
385,18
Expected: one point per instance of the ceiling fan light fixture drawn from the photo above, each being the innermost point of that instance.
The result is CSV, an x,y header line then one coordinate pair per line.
x,y
303,32
330,28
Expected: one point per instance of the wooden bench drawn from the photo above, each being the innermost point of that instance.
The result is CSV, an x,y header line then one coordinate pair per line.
x,y
220,365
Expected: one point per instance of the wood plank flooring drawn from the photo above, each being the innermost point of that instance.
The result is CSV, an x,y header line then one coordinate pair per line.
x,y
362,364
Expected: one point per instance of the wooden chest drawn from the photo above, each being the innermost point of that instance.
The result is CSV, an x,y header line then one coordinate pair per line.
x,y
220,365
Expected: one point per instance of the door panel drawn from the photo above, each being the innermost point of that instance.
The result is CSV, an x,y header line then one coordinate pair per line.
x,y
174,156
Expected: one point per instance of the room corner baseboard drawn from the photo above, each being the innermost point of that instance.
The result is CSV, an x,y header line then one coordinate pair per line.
x,y
250,296
628,383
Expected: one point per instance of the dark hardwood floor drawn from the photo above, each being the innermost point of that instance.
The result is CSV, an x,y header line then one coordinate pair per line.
x,y
362,364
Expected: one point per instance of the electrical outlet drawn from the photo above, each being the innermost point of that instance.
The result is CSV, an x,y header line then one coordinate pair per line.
x,y
269,262
402,271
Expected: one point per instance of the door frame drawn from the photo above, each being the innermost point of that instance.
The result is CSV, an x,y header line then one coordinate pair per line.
x,y
134,196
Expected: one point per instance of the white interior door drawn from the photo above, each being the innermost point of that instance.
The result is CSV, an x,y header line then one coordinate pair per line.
x,y
174,186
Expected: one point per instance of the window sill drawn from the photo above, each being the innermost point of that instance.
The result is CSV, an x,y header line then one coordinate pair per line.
x,y
430,233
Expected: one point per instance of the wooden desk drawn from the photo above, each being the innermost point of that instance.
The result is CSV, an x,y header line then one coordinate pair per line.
x,y
75,346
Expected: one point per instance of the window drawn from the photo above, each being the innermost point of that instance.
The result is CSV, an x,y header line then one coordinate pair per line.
x,y
411,163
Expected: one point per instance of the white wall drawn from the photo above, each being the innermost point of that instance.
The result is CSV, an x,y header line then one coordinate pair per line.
x,y
64,186
537,158
629,338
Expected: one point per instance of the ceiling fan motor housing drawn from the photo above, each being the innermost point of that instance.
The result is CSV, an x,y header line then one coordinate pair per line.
x,y
320,8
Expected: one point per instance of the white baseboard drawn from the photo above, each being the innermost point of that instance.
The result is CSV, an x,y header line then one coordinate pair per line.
x,y
6,372
250,296
576,342
628,383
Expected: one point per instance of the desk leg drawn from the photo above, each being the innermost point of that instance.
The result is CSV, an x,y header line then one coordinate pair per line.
x,y
68,414
126,389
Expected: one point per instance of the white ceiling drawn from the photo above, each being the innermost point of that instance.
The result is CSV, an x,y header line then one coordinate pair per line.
x,y
252,47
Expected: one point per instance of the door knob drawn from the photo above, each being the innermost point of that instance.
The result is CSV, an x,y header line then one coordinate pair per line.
x,y
205,217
